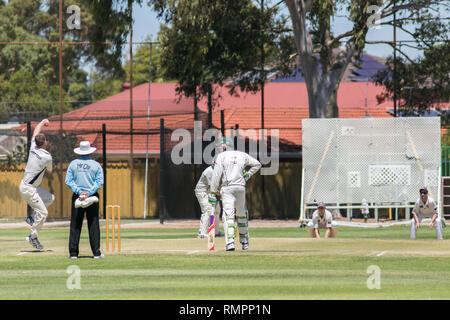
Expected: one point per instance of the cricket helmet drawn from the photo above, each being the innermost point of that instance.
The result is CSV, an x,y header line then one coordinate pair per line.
x,y
225,143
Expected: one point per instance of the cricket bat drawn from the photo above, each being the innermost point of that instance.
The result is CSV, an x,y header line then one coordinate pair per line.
x,y
212,233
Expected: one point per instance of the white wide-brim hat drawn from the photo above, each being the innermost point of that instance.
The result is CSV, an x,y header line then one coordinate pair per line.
x,y
84,148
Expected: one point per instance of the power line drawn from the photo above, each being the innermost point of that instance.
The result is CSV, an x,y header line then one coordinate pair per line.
x,y
74,101
68,119
406,41
70,43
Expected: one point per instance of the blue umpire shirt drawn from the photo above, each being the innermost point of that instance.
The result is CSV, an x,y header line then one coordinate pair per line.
x,y
84,174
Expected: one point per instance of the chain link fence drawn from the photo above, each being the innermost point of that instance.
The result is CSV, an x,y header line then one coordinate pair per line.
x,y
170,193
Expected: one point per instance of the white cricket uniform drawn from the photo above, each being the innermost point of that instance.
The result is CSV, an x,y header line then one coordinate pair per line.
x,y
425,210
324,222
229,174
39,161
202,190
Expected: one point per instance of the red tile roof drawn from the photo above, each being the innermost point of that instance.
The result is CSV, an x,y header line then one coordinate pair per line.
x,y
294,94
286,104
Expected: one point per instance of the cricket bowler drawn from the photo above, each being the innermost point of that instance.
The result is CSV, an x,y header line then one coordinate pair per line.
x,y
425,207
39,161
231,176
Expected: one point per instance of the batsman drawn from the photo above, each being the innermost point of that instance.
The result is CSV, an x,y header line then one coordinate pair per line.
x,y
231,175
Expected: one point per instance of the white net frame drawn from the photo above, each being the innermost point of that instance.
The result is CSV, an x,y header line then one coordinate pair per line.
x,y
382,160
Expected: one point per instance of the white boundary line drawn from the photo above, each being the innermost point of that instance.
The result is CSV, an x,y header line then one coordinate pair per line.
x,y
374,253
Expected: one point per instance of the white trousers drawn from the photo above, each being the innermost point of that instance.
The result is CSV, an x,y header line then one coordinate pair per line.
x,y
437,225
321,226
38,199
233,201
333,233
207,211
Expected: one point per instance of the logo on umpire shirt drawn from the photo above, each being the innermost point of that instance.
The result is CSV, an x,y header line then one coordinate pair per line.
x,y
83,167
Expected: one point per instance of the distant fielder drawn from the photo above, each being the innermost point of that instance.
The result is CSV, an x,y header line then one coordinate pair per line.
x,y
231,176
425,207
39,161
202,191
322,219
365,209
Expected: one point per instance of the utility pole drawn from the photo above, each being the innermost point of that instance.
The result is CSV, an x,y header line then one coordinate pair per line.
x,y
130,6
262,74
263,83
394,76
60,110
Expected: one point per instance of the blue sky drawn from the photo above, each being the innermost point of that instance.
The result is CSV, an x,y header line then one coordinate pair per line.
x,y
145,23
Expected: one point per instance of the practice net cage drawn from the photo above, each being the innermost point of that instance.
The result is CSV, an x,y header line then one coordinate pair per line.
x,y
169,193
384,161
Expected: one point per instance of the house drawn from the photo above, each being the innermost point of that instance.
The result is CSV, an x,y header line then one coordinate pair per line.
x,y
10,139
286,104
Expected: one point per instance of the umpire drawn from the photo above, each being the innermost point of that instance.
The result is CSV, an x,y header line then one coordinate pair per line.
x,y
84,177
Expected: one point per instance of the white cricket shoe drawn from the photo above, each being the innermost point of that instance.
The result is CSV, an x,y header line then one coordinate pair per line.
x,y
230,246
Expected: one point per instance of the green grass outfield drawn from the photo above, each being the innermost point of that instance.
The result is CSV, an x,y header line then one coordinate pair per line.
x,y
282,263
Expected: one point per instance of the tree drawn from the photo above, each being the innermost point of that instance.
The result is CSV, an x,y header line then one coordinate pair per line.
x,y
322,65
141,57
220,42
37,21
20,95
314,39
111,23
104,85
18,155
29,73
37,65
422,83
207,41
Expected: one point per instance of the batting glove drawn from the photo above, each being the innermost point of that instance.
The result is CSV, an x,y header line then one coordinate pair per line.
x,y
245,175
212,199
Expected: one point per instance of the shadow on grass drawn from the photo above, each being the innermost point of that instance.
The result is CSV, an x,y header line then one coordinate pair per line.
x,y
35,251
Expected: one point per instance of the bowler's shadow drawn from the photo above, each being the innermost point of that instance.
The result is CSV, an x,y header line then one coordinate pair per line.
x,y
35,251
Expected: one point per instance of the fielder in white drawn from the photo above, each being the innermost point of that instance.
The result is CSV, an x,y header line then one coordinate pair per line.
x,y
202,191
322,219
39,161
365,209
425,207
229,173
